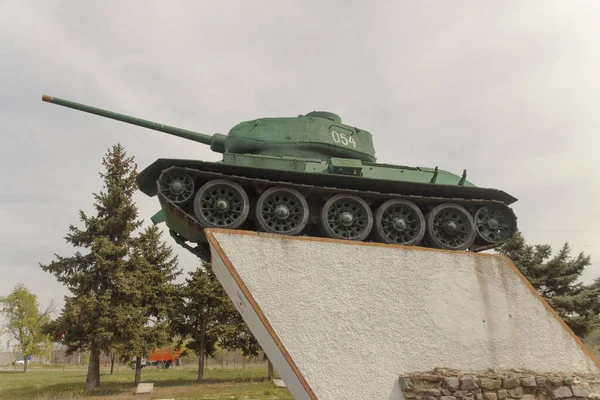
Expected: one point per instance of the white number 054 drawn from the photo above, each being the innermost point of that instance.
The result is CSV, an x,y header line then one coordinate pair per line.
x,y
342,138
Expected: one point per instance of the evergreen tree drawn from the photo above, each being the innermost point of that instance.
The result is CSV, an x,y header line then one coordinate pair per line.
x,y
592,341
557,280
203,312
152,270
235,335
95,317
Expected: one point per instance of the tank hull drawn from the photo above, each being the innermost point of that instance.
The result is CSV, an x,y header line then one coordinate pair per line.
x,y
316,182
314,175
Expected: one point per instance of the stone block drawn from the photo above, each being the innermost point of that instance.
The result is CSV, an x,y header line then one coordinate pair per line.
x,y
561,392
515,393
490,384
510,382
463,393
452,383
428,392
528,381
279,383
579,391
490,396
468,383
144,388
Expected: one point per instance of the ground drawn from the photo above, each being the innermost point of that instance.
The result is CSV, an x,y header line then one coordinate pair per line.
x,y
174,383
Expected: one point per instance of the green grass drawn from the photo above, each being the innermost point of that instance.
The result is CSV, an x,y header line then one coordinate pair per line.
x,y
178,382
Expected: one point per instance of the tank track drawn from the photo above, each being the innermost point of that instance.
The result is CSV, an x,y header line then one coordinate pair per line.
x,y
259,185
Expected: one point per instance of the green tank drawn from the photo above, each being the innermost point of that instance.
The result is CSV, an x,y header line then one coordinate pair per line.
x,y
317,176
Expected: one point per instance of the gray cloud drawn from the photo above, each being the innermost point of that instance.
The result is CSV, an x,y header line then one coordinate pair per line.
x,y
506,90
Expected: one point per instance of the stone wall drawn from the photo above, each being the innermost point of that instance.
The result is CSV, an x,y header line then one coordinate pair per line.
x,y
452,385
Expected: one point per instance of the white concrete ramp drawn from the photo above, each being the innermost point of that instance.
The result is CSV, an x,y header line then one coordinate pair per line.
x,y
345,320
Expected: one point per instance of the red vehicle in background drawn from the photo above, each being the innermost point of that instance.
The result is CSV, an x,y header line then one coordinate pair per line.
x,y
161,358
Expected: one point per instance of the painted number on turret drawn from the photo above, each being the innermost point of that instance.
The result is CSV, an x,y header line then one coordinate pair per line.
x,y
340,137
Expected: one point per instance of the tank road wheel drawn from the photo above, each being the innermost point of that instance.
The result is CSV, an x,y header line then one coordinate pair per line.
x,y
282,210
346,217
399,222
221,204
177,186
450,227
494,223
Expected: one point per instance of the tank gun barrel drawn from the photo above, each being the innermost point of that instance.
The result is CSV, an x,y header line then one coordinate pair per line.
x,y
216,141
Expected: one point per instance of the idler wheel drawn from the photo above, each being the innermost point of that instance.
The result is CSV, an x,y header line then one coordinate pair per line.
x,y
495,223
282,210
450,227
221,204
399,222
177,186
346,217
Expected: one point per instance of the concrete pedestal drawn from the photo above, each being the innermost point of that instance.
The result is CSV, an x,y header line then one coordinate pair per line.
x,y
345,320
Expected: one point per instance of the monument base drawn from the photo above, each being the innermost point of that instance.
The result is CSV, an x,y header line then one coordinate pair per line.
x,y
354,320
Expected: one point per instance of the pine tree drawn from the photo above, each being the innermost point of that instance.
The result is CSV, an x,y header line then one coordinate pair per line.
x,y
557,280
202,313
93,316
592,341
150,276
234,334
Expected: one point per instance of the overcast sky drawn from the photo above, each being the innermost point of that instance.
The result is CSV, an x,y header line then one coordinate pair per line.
x,y
508,90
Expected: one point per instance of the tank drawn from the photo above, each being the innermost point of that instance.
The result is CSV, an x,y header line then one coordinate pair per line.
x,y
317,176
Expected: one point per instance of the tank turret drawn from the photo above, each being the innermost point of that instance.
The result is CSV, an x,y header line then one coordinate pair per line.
x,y
318,134
314,175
